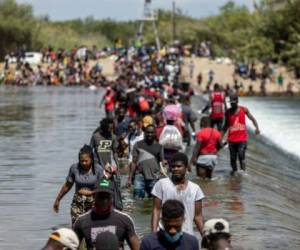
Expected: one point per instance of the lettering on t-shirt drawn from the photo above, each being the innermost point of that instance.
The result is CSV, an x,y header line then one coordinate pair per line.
x,y
104,146
97,230
237,126
217,107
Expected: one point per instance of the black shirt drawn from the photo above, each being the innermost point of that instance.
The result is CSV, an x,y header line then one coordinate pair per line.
x,y
89,225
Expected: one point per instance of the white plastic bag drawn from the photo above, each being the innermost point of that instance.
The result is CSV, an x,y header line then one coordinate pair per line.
x,y
171,138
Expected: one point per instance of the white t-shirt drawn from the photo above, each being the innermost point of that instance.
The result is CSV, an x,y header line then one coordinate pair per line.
x,y
133,140
165,190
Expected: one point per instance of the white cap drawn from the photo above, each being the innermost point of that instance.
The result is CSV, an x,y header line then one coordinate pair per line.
x,y
213,226
66,237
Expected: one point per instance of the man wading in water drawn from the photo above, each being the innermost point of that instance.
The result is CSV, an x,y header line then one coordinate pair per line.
x,y
235,123
218,106
209,141
145,169
171,235
178,187
103,217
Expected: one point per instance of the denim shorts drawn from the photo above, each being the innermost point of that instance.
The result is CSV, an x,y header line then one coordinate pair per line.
x,y
142,186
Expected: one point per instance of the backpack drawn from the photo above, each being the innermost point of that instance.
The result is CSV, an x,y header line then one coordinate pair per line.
x,y
171,138
144,105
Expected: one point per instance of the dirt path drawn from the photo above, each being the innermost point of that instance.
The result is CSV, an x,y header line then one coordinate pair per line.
x,y
224,75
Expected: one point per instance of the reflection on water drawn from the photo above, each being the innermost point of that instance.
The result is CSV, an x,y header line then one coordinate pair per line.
x,y
41,131
15,119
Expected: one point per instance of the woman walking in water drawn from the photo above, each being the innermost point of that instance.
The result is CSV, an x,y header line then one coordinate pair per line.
x,y
84,174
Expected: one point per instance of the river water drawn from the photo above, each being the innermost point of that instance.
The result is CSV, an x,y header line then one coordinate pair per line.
x,y
42,129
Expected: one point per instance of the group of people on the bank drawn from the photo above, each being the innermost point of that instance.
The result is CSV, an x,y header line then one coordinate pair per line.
x,y
55,68
242,73
149,122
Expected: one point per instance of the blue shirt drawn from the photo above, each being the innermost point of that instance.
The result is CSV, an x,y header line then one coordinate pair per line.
x,y
157,241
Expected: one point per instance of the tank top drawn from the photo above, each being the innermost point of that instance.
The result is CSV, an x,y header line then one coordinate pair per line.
x,y
237,131
217,105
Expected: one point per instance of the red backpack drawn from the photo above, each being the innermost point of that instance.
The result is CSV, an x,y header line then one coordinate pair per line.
x,y
144,104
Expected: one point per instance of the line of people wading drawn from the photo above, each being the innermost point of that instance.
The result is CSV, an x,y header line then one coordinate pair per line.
x,y
148,125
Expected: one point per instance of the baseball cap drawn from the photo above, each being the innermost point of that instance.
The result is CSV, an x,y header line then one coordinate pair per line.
x,y
66,237
104,186
213,226
107,241
147,120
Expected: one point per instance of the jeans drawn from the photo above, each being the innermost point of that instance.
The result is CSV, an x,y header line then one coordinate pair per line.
x,y
142,186
237,149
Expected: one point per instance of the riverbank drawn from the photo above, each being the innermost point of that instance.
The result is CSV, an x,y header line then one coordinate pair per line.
x,y
107,63
224,75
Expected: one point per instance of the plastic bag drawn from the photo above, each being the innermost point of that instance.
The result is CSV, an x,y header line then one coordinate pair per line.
x,y
171,138
172,112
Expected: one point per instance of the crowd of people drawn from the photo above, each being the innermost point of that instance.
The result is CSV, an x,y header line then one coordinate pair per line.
x,y
248,79
81,66
53,68
266,74
148,125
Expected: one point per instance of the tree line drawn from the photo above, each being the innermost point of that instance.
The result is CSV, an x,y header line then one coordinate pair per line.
x,y
270,32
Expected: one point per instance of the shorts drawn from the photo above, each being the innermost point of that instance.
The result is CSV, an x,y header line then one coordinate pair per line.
x,y
80,205
207,161
109,113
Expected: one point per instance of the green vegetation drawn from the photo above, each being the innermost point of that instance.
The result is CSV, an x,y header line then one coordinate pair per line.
x,y
270,32
18,27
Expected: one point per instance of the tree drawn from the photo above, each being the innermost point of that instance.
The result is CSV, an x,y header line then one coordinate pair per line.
x,y
9,8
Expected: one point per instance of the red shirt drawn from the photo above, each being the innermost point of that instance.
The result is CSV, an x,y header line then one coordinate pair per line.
x,y
237,131
217,105
209,139
131,111
109,101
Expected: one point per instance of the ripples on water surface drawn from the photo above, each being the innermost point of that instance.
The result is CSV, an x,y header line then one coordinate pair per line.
x,y
42,129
